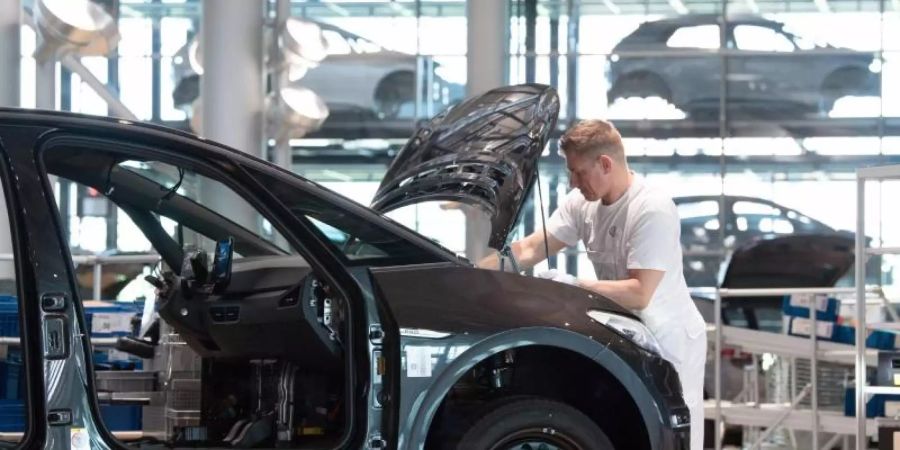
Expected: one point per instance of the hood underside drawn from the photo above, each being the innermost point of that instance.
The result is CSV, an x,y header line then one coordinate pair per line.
x,y
482,152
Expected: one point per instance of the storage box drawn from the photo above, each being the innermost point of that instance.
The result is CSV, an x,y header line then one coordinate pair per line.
x,y
877,339
12,380
121,417
888,434
797,305
110,319
798,326
112,359
9,316
12,416
875,406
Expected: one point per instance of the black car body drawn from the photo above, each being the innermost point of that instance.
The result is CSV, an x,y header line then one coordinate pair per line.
x,y
746,219
769,69
380,340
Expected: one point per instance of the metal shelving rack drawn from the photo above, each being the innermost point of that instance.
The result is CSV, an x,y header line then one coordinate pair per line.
x,y
862,253
790,415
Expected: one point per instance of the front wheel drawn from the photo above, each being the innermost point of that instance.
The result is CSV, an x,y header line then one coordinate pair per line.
x,y
534,423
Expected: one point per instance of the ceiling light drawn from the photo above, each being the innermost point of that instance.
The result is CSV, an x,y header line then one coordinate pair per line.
x,y
303,42
78,27
298,109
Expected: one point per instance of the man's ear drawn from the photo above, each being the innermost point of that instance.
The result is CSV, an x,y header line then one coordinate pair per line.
x,y
606,162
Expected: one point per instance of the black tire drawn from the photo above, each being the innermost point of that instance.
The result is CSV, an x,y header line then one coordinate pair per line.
x,y
642,85
514,424
392,92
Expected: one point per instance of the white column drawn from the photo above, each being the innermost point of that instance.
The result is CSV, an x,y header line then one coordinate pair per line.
x,y
232,86
45,85
487,59
10,63
10,57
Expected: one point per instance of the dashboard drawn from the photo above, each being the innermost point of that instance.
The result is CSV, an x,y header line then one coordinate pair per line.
x,y
272,307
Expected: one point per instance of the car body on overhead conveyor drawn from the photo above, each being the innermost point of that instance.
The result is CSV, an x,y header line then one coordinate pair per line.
x,y
674,59
320,322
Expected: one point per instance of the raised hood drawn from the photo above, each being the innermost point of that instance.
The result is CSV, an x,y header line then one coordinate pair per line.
x,y
482,152
802,260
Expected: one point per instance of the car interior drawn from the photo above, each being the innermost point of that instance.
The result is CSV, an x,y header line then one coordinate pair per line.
x,y
271,333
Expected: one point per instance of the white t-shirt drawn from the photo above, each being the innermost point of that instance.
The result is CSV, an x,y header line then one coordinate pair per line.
x,y
641,230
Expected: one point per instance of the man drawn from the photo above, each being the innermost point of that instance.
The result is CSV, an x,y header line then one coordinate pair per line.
x,y
631,232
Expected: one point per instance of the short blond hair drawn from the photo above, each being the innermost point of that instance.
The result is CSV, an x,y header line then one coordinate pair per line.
x,y
593,136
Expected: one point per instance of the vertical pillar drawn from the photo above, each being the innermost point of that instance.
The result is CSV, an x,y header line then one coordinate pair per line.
x,y
232,87
10,63
10,52
487,62
45,84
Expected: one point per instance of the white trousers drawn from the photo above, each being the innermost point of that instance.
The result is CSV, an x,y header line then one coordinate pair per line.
x,y
688,354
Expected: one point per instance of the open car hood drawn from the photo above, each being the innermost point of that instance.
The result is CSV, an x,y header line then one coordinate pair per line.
x,y
803,260
482,152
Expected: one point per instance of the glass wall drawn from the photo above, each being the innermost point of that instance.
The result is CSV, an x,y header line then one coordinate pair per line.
x,y
780,101
774,104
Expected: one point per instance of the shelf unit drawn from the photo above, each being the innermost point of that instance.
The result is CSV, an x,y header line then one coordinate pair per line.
x,y
765,414
812,347
863,176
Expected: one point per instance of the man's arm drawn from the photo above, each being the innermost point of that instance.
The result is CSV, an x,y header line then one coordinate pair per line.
x,y
633,292
528,251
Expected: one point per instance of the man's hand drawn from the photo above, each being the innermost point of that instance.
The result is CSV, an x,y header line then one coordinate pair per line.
x,y
528,251
558,276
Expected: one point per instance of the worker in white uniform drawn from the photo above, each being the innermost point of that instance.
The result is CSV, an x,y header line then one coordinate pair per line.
x,y
631,232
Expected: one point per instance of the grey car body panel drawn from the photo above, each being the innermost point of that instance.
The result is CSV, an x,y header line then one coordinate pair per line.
x,y
64,381
753,77
478,323
482,152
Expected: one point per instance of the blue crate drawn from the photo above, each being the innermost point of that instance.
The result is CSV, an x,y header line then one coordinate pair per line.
x,y
12,380
878,339
874,406
115,417
9,316
121,417
103,362
799,326
797,305
12,416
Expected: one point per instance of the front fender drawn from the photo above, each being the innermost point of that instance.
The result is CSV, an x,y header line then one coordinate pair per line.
x,y
418,416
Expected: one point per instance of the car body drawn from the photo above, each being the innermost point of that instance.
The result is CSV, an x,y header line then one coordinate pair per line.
x,y
359,80
769,69
746,218
380,340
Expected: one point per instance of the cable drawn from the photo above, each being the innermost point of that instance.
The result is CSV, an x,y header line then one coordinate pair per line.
x,y
537,173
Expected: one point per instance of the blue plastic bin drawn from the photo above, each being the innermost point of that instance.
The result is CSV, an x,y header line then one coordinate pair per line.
x,y
9,316
827,308
12,416
874,407
121,417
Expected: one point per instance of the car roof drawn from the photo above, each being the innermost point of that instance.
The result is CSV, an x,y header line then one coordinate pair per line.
x,y
731,199
659,30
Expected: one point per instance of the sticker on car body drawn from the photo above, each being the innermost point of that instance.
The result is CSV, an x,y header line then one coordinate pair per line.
x,y
418,362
